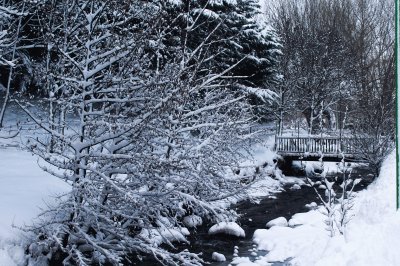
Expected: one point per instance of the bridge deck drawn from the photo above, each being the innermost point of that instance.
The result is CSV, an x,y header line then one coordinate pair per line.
x,y
311,148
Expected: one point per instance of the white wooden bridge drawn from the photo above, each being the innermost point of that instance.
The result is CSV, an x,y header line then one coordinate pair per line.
x,y
311,148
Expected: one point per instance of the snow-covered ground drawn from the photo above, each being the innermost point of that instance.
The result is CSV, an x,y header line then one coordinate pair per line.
x,y
372,238
269,179
372,235
24,188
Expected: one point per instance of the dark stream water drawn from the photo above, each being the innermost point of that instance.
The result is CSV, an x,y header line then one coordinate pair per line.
x,y
255,216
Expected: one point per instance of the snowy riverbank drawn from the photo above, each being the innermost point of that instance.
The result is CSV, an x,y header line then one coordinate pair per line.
x,y
372,235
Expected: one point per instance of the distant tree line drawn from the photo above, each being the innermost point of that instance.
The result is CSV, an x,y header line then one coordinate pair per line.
x,y
338,68
338,56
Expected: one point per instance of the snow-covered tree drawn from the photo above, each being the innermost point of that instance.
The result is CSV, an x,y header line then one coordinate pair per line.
x,y
142,145
374,111
234,26
337,55
316,57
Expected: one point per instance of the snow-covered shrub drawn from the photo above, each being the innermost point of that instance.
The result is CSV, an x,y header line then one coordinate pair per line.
x,y
337,202
142,144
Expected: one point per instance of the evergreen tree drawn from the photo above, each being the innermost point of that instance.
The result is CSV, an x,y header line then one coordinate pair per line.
x,y
235,26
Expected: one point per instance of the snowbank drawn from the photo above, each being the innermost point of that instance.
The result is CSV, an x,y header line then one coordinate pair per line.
x,y
218,257
311,206
372,238
280,221
228,228
285,242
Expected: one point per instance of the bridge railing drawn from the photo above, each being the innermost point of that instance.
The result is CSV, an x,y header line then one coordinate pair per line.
x,y
313,144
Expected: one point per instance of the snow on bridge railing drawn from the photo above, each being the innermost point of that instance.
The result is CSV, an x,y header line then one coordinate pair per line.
x,y
315,144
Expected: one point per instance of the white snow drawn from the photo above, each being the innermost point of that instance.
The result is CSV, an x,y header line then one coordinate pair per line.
x,y
192,221
218,257
158,236
295,187
280,221
244,261
24,187
228,228
310,218
372,235
311,205
269,179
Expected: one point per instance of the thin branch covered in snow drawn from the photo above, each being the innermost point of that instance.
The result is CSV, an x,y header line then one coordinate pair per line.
x,y
149,140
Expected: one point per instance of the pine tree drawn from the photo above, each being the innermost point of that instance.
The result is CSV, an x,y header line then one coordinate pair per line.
x,y
235,26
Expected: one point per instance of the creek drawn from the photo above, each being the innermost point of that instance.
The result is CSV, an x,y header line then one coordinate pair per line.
x,y
255,216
